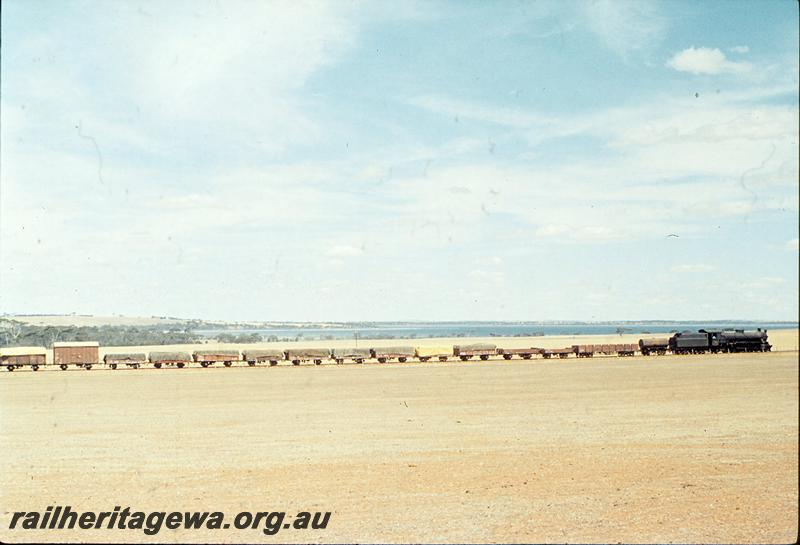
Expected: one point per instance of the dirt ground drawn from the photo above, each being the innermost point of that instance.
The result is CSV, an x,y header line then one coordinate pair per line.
x,y
668,449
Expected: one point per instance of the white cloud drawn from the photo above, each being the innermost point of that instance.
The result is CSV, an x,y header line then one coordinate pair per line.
x,y
704,60
692,268
739,49
625,26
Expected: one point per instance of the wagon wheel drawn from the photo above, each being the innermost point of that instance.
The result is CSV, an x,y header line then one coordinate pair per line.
x,y
381,360
87,366
442,358
113,365
63,366
464,358
35,367
227,363
402,359
273,362
317,362
9,368
507,356
251,363
295,362
423,358
180,365
157,365
359,360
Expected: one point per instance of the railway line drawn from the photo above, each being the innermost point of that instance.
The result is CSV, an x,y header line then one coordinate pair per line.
x,y
86,355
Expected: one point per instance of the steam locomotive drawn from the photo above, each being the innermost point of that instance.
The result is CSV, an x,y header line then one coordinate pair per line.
x,y
687,342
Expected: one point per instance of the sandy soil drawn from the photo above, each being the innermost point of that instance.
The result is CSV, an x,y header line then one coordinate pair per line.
x,y
669,449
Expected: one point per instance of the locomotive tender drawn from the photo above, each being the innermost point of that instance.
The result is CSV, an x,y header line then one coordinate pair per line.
x,y
86,354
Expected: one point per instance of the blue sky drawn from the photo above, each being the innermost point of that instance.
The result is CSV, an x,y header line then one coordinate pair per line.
x,y
395,161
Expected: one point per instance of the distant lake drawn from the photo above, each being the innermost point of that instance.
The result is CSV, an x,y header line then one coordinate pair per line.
x,y
484,329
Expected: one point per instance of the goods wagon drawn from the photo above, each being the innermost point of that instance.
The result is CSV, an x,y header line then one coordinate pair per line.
x,y
134,360
297,355
524,353
482,350
80,354
21,356
178,359
583,350
425,353
400,353
627,349
560,352
659,346
210,357
273,356
358,355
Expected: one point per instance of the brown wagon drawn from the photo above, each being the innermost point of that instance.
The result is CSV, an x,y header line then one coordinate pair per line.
x,y
210,357
658,345
559,352
21,356
134,360
178,359
299,355
583,350
524,353
400,353
273,356
482,350
80,354
358,355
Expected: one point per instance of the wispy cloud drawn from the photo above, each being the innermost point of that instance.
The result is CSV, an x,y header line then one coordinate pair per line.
x,y
739,49
705,60
626,26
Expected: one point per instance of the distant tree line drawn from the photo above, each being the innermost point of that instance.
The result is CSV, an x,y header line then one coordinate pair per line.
x,y
15,333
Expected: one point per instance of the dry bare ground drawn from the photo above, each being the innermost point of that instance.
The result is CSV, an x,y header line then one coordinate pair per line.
x,y
660,449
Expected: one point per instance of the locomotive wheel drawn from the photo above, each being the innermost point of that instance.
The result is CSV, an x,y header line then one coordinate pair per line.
x,y
227,363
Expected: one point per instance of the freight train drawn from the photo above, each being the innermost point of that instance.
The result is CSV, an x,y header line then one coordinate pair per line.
x,y
86,354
